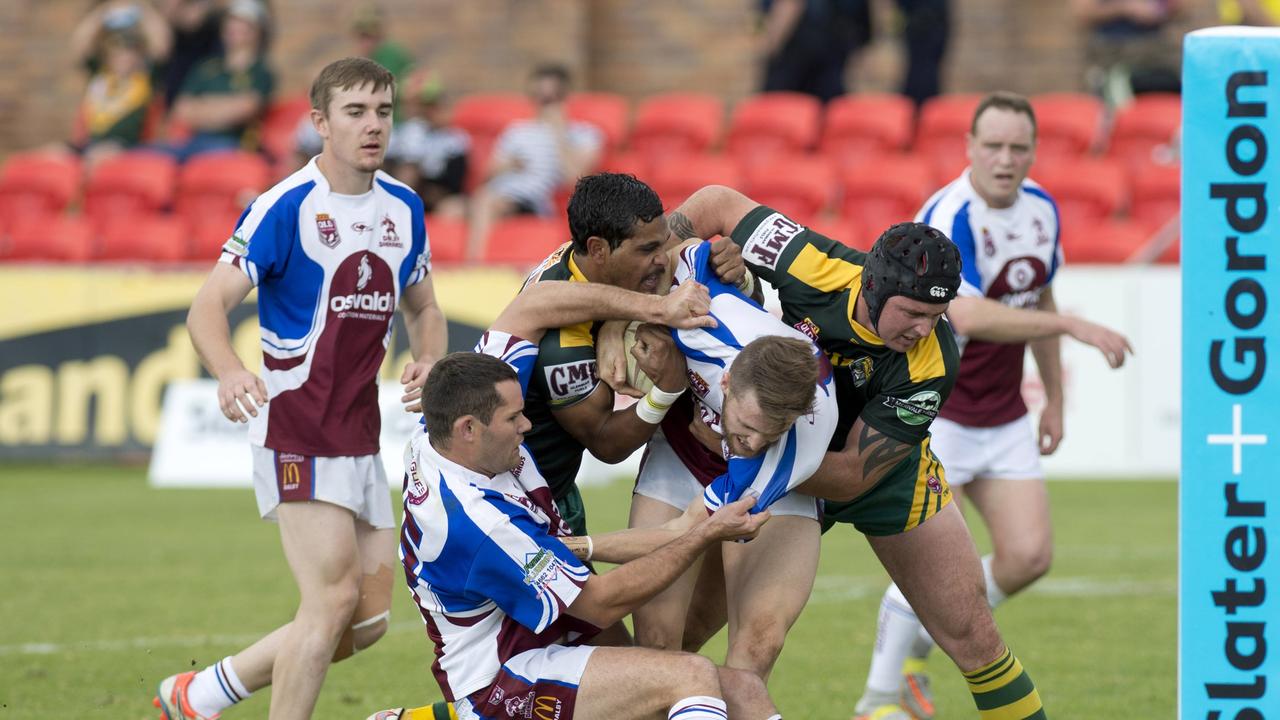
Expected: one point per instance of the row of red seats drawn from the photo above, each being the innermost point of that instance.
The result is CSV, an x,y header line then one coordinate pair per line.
x,y
519,241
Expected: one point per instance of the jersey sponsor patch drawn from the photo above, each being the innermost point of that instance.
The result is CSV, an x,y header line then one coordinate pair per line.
x,y
540,569
769,239
568,381
917,409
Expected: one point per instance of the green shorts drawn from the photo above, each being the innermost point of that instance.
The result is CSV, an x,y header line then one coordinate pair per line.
x,y
913,491
572,511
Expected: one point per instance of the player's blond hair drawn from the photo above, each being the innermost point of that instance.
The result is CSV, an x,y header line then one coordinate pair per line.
x,y
781,371
348,73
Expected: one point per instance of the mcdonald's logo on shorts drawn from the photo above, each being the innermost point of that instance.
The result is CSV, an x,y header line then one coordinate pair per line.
x,y
546,707
295,476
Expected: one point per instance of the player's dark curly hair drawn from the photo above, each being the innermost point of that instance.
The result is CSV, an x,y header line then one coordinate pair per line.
x,y
608,206
462,383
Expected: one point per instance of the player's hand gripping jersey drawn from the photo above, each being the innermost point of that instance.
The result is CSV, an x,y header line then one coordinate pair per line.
x,y
481,556
896,394
1010,255
709,352
329,270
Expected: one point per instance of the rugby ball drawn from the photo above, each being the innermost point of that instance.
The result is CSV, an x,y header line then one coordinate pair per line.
x,y
635,376
395,714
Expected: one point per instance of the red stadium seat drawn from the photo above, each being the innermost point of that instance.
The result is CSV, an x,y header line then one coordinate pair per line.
x,y
609,112
843,230
885,190
215,185
1150,121
772,124
51,237
524,240
280,125
677,124
677,179
448,239
37,184
207,235
131,183
860,126
1110,241
160,238
484,116
1067,124
1087,190
627,163
798,186
1156,194
944,122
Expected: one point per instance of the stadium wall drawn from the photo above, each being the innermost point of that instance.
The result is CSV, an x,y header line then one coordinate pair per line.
x,y
83,371
632,47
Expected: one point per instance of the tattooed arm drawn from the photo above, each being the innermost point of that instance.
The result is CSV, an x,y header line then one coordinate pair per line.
x,y
868,455
712,210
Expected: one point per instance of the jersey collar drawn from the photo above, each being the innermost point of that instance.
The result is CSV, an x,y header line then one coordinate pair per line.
x,y
864,333
573,268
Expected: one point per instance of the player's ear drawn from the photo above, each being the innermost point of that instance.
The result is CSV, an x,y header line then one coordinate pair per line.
x,y
724,382
464,428
598,248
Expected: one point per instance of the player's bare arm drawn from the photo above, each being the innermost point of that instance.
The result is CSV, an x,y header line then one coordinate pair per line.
x,y
711,211
1048,355
985,319
623,546
868,455
612,436
606,599
557,303
428,338
240,392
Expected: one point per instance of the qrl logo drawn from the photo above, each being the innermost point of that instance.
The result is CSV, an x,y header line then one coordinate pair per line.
x,y
938,292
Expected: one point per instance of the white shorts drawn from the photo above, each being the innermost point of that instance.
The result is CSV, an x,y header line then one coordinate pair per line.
x,y
355,482
1007,451
664,477
539,683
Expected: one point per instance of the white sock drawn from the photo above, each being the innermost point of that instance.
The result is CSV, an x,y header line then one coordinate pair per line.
x,y
774,717
699,707
895,629
921,646
215,689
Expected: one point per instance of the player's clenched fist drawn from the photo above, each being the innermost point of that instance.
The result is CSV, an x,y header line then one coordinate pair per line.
x,y
240,394
657,356
687,306
735,521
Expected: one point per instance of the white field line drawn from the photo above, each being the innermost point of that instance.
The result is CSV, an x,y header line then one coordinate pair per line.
x,y
827,590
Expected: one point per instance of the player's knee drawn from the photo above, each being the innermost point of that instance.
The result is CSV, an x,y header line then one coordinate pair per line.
x,y
757,644
657,635
694,675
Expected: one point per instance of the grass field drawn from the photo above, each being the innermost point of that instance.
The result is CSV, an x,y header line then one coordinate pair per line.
x,y
111,585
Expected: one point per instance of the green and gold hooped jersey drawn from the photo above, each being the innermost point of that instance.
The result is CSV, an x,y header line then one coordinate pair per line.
x,y
565,374
897,394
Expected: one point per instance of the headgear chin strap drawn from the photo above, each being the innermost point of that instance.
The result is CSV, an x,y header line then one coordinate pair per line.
x,y
912,260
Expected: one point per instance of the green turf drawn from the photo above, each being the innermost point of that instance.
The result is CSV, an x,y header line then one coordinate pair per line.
x,y
111,585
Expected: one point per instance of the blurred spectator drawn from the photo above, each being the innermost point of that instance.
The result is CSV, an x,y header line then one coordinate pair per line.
x,y
1249,12
197,36
926,29
531,158
806,44
425,152
1130,49
117,41
368,28
223,97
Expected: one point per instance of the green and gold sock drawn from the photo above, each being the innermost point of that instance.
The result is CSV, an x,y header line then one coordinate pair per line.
x,y
1003,691
439,711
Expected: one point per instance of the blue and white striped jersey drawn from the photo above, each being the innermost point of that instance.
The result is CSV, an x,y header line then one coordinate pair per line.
x,y
709,352
329,269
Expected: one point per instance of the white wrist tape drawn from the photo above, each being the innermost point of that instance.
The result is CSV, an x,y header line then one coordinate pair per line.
x,y
654,405
591,548
747,284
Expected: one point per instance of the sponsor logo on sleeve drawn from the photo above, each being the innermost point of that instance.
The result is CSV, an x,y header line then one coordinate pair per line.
x,y
769,239
571,380
417,489
328,229
918,409
540,569
860,369
236,244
